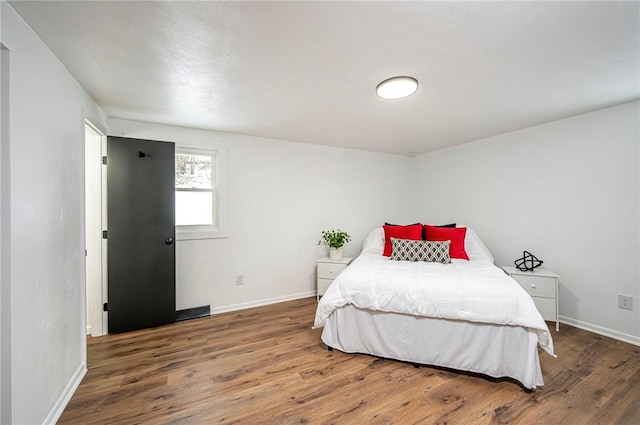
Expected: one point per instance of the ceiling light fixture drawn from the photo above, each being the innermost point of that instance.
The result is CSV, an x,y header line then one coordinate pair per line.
x,y
397,87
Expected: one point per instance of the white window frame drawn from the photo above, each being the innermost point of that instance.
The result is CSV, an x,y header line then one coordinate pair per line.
x,y
219,227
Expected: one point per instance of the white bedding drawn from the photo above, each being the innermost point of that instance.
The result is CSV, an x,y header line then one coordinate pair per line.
x,y
474,291
493,350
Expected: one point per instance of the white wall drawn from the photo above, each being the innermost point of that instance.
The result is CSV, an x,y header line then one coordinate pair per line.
x,y
46,129
567,191
281,195
5,243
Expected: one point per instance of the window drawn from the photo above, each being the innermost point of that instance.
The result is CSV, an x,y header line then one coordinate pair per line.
x,y
194,189
199,193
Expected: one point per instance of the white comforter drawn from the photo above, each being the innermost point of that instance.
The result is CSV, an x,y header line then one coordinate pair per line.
x,y
475,291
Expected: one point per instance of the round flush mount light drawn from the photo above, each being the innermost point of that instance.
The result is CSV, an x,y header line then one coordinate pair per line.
x,y
397,87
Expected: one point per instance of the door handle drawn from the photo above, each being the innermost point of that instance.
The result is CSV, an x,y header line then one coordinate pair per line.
x,y
168,241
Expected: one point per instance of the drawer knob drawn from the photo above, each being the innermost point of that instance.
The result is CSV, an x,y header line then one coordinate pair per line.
x,y
533,285
330,271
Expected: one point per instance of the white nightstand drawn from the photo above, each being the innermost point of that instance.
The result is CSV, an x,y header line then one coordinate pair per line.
x,y
327,271
542,285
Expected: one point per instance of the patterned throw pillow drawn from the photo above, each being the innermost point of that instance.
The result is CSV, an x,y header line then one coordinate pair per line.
x,y
410,250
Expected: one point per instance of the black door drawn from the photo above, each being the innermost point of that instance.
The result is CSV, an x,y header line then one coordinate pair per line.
x,y
141,232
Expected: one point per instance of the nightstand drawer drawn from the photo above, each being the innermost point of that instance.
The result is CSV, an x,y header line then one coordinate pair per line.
x,y
330,270
542,285
546,307
323,285
537,286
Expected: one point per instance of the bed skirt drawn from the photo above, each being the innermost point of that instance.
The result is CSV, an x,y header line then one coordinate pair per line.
x,y
494,350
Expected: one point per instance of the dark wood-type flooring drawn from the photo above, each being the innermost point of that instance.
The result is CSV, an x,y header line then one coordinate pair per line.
x,y
267,366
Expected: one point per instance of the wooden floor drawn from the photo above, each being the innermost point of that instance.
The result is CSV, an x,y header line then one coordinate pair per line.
x,y
267,366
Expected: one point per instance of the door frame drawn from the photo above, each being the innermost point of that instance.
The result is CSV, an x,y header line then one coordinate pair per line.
x,y
96,291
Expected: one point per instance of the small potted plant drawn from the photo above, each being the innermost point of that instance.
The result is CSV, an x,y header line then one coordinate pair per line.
x,y
335,240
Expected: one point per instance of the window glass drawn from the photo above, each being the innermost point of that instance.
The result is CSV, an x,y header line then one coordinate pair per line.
x,y
193,171
194,208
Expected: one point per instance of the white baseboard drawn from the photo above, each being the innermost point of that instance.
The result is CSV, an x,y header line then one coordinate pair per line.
x,y
258,303
621,336
66,395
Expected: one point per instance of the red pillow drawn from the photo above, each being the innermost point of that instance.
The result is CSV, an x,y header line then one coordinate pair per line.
x,y
413,232
454,234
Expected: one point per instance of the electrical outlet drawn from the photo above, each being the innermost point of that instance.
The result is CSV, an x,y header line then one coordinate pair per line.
x,y
239,279
625,302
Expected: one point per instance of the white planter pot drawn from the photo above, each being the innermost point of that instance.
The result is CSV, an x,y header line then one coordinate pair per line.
x,y
335,254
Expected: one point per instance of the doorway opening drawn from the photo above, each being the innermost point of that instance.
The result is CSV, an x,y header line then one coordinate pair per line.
x,y
95,222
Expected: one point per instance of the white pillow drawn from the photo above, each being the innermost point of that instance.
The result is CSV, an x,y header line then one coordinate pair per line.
x,y
374,241
476,249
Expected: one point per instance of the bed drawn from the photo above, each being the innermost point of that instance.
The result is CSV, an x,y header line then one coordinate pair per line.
x,y
465,315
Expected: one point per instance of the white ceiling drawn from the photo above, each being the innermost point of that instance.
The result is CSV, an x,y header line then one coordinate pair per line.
x,y
307,71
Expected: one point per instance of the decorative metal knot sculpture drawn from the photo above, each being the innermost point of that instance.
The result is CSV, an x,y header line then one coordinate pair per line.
x,y
528,262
